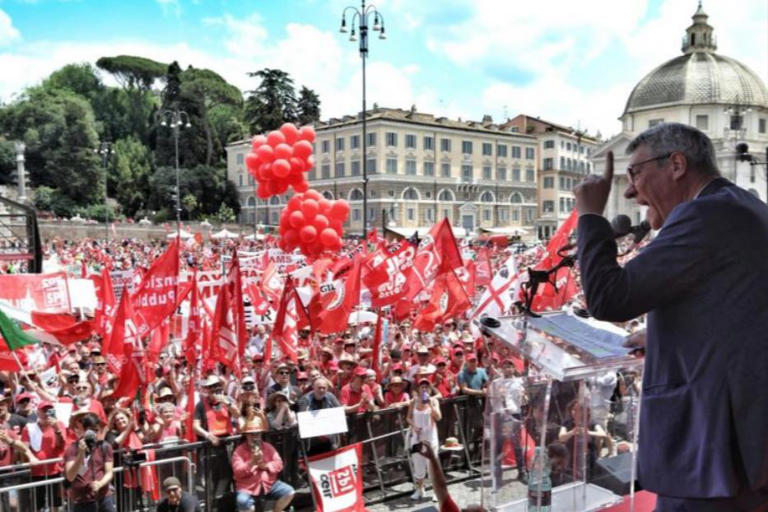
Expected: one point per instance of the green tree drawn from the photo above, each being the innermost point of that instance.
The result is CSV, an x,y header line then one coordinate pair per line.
x,y
272,103
308,106
129,172
208,185
225,215
59,130
7,161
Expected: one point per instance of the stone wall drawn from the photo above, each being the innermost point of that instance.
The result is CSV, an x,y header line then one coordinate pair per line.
x,y
70,231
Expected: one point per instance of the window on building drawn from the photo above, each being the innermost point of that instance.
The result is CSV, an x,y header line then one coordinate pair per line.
x,y
325,171
444,195
391,165
549,182
410,141
445,144
312,174
240,158
530,153
487,149
370,166
548,206
589,167
487,172
466,147
410,213
445,170
562,163
356,214
549,144
567,146
340,169
447,214
371,139
528,216
326,146
581,150
466,173
430,214
503,215
429,143
486,215
371,214
549,164
516,198
354,169
516,152
516,174
356,195
530,175
516,215
240,179
501,174
501,150
391,193
339,143
250,180
702,122
562,205
410,167
391,139
410,194
654,122
486,197
737,122
761,125
429,168
562,183
354,142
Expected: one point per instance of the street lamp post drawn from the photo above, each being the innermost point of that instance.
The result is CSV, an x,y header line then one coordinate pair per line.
x,y
105,149
361,16
21,174
176,119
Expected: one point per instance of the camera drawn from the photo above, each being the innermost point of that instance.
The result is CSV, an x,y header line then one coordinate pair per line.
x,y
90,439
50,412
416,448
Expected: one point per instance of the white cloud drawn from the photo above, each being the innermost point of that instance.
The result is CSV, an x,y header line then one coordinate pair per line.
x,y
8,32
170,7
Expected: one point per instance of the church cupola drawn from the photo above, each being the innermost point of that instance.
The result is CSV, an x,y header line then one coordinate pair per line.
x,y
700,36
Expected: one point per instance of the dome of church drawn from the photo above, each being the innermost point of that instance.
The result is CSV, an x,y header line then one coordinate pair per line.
x,y
699,76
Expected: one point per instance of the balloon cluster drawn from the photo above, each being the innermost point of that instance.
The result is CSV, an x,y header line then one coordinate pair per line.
x,y
280,159
312,223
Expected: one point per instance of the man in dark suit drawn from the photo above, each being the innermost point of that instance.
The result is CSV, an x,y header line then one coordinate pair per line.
x,y
702,281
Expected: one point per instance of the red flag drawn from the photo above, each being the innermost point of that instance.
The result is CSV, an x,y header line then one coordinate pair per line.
x,y
377,345
194,326
105,303
235,284
336,300
448,300
157,295
388,269
65,328
549,296
439,253
483,272
285,330
189,429
224,343
125,353
122,325
271,282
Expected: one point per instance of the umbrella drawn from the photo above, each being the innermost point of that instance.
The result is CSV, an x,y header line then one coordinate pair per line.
x,y
183,234
224,233
358,317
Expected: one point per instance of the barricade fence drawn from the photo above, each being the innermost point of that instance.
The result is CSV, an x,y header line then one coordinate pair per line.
x,y
205,470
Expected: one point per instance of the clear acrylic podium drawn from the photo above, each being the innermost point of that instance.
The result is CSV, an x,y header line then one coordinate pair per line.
x,y
577,399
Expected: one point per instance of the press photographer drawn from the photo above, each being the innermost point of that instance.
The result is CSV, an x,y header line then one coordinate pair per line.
x,y
88,468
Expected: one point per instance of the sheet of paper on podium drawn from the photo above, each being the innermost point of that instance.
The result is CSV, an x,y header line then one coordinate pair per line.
x,y
322,422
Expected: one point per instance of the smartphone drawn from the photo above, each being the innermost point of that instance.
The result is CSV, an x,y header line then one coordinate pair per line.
x,y
416,448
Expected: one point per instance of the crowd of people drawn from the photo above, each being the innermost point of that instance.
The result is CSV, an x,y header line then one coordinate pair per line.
x,y
417,372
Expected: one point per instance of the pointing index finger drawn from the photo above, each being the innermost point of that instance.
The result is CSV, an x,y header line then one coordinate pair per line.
x,y
608,174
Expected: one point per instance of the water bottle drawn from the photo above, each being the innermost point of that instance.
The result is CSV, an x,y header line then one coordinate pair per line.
x,y
540,483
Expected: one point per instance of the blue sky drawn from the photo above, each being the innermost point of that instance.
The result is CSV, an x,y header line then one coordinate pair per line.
x,y
571,62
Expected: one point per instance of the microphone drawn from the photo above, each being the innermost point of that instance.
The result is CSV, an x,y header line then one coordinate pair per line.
x,y
622,226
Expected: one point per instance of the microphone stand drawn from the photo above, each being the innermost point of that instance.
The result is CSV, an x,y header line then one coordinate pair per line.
x,y
537,277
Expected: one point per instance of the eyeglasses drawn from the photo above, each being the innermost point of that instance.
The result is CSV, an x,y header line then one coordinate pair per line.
x,y
248,387
100,364
283,373
81,388
632,170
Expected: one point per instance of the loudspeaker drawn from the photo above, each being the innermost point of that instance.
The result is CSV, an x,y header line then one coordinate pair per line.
x,y
614,473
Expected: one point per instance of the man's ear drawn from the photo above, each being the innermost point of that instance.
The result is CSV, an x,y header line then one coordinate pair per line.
x,y
679,165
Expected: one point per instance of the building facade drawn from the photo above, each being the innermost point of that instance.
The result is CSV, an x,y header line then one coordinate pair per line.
x,y
420,169
562,161
717,94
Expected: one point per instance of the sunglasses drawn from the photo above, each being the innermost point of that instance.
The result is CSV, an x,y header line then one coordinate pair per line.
x,y
283,373
73,381
100,364
248,387
81,388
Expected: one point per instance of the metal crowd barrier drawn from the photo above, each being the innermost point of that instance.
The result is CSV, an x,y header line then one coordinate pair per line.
x,y
206,469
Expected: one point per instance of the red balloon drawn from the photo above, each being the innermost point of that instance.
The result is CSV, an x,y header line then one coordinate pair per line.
x,y
271,187
265,153
281,168
328,238
302,186
310,208
302,149
262,192
264,173
310,163
313,194
340,210
283,151
297,166
308,234
337,226
291,237
281,187
320,222
252,162
274,138
325,206
307,133
258,141
296,219
294,203
290,132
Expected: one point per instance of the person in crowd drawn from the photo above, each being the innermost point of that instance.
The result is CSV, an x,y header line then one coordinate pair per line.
x,y
88,467
443,379
279,413
175,499
422,417
320,398
356,397
578,430
46,440
283,383
506,405
396,396
24,412
375,387
473,381
212,422
256,466
439,483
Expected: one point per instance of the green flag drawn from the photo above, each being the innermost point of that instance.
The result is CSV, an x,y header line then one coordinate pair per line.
x,y
14,337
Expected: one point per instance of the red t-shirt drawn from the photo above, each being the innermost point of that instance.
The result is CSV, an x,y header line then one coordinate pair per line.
x,y
390,398
444,387
6,450
351,397
50,448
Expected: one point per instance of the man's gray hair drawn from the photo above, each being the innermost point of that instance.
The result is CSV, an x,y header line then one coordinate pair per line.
x,y
670,137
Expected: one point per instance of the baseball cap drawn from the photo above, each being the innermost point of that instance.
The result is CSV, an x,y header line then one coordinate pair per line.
x,y
171,482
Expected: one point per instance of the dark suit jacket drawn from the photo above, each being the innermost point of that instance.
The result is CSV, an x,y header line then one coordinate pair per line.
x,y
704,283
